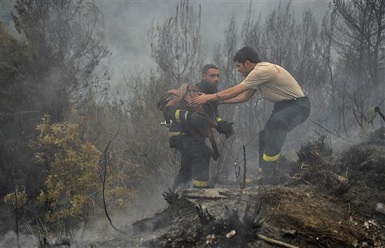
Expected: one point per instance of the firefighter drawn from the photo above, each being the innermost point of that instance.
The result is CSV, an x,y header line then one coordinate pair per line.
x,y
274,83
189,128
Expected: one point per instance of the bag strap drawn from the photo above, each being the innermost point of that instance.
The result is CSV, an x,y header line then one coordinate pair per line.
x,y
215,153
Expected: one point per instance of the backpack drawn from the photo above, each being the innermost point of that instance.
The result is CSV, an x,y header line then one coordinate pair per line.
x,y
181,98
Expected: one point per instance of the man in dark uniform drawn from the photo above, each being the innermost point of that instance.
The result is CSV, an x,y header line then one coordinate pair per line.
x,y
188,135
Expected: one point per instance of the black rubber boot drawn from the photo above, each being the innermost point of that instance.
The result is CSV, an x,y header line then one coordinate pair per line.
x,y
269,172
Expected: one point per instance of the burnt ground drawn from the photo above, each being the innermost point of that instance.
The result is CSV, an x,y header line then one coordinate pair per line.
x,y
326,200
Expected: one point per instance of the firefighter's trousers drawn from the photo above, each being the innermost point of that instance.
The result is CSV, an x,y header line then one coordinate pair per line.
x,y
285,116
195,160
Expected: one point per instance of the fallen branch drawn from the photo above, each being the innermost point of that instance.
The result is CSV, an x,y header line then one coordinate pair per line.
x,y
324,128
274,241
244,168
103,163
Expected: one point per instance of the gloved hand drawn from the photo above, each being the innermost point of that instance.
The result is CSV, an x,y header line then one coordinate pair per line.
x,y
225,127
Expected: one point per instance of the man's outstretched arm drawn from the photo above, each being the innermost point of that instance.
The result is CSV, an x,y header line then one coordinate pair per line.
x,y
243,97
222,95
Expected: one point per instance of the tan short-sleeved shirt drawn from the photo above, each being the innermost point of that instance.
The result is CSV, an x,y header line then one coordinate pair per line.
x,y
273,82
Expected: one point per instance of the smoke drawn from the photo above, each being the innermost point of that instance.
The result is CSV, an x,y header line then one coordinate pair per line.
x,y
127,24
9,240
97,231
126,28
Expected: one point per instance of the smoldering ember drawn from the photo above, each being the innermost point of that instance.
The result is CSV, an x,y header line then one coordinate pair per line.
x,y
101,147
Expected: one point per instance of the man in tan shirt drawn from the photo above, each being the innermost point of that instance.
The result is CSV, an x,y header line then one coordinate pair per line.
x,y
275,84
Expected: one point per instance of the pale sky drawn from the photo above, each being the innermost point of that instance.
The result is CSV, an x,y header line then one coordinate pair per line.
x,y
128,22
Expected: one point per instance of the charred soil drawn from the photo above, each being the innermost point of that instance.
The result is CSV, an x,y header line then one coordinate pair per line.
x,y
326,201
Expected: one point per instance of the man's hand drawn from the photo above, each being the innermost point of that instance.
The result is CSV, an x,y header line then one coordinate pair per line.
x,y
203,98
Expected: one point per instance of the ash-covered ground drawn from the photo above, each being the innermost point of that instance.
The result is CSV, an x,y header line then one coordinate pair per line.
x,y
327,200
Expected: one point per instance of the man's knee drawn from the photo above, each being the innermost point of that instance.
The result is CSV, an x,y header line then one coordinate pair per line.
x,y
278,124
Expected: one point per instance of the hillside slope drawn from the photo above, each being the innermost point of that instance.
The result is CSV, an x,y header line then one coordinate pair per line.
x,y
327,201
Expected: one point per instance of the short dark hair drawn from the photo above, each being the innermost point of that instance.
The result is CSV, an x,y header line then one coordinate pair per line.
x,y
246,53
208,67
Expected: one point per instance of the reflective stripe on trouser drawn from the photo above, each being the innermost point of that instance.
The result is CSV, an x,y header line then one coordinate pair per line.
x,y
201,184
285,117
173,134
195,159
268,164
270,158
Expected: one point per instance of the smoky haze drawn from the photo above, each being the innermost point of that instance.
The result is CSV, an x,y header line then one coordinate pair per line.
x,y
140,150
62,67
127,24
